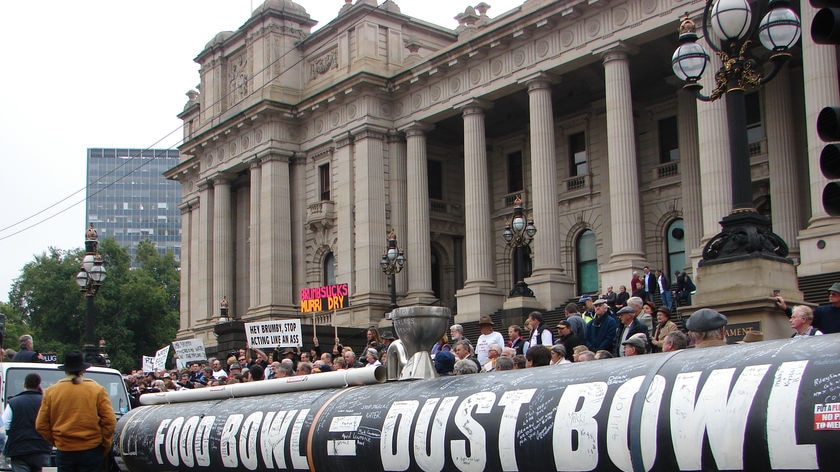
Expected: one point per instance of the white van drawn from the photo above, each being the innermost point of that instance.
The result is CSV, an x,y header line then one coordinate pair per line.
x,y
12,375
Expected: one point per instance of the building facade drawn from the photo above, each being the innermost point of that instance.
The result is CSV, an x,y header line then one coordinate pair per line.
x,y
129,199
303,150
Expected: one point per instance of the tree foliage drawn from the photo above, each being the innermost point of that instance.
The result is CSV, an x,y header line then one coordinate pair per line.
x,y
136,310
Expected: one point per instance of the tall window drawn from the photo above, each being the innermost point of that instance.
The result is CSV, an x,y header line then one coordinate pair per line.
x,y
434,170
755,130
669,146
324,179
514,172
329,269
587,263
577,154
676,246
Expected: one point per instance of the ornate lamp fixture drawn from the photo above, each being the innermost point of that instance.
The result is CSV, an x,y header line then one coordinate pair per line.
x,y
90,279
392,262
518,234
745,233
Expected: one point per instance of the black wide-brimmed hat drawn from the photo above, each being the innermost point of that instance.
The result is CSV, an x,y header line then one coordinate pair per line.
x,y
74,361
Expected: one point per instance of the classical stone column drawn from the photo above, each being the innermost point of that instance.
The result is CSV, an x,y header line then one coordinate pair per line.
x,y
479,295
398,197
418,249
715,167
254,235
692,210
205,306
625,206
343,189
371,228
477,200
275,235
223,249
187,315
298,227
819,243
782,158
550,285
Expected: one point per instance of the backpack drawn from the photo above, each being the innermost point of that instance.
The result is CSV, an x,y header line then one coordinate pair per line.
x,y
689,285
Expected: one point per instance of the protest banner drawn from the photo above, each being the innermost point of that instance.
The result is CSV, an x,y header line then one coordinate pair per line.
x,y
275,333
188,350
160,358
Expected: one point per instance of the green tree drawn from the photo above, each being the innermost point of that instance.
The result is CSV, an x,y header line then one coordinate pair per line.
x,y
136,311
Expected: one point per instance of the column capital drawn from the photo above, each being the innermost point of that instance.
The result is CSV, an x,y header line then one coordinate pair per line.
x,y
417,128
343,139
204,184
616,51
276,155
189,205
369,131
538,80
222,179
473,105
395,136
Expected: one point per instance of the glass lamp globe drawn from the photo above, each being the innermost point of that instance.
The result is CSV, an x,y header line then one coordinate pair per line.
x,y
689,61
779,30
731,19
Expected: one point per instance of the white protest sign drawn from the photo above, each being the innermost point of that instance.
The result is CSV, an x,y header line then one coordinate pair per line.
x,y
271,334
148,364
189,350
160,358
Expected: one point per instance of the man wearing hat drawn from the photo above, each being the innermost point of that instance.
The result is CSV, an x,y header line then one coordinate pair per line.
x,y
628,327
488,337
77,418
600,332
707,328
635,345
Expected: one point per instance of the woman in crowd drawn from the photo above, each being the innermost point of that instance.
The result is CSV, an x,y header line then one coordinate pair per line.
x,y
441,345
621,298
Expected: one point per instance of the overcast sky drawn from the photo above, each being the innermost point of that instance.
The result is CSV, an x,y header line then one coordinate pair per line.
x,y
107,73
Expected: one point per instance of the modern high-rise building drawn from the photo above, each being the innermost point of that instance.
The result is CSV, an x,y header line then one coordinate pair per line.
x,y
129,199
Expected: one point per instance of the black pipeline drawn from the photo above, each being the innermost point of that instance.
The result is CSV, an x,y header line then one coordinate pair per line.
x,y
773,405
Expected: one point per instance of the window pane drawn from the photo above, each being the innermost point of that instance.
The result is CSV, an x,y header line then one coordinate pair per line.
x,y
514,168
669,148
435,172
324,178
577,154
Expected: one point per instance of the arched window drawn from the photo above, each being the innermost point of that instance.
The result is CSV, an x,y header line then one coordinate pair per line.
x,y
329,269
435,274
675,240
587,262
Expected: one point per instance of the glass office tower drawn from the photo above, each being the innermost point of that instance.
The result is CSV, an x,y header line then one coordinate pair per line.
x,y
129,199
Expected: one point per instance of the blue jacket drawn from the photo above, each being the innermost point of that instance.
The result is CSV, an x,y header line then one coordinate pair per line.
x,y
600,333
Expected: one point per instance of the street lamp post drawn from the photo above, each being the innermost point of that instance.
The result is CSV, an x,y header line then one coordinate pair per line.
x,y
90,278
518,234
745,233
392,262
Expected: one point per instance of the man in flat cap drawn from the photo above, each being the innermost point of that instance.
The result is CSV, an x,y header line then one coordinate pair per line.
x,y
707,328
635,345
628,326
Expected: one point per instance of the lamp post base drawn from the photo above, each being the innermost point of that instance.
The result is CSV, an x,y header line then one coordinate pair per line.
x,y
520,289
745,235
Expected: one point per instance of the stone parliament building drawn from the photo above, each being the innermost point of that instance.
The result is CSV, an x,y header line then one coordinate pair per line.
x,y
303,150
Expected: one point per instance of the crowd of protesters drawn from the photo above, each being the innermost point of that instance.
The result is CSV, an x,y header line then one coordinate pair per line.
x,y
593,329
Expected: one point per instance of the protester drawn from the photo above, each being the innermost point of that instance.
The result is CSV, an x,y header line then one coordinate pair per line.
x,y
76,417
28,451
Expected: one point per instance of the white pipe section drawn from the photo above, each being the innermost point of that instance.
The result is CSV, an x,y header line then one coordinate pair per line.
x,y
336,379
